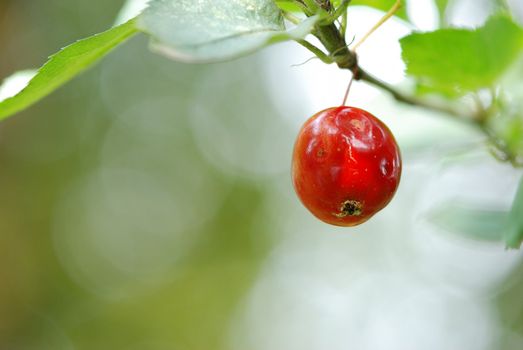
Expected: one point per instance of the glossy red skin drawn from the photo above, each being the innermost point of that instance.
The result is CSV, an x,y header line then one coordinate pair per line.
x,y
345,154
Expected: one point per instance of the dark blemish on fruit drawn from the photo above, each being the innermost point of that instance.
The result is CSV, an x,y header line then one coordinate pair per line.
x,y
349,208
320,153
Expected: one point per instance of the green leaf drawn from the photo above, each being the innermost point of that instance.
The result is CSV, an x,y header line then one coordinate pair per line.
x,y
481,224
462,60
288,5
384,5
445,91
514,234
64,65
216,30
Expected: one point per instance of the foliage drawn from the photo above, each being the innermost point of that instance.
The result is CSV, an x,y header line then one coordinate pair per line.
x,y
459,61
491,225
66,64
220,31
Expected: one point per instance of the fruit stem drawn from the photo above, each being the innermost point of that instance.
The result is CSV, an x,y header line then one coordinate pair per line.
x,y
347,90
389,14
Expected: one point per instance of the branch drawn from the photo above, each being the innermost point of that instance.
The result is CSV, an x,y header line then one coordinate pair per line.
x,y
333,40
412,100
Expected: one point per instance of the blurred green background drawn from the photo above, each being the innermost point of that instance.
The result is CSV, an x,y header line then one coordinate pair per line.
x,y
148,205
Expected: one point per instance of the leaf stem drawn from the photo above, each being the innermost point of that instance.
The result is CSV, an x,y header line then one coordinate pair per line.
x,y
325,58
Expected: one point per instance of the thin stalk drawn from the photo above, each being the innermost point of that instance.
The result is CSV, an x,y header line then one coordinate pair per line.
x,y
392,11
346,96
